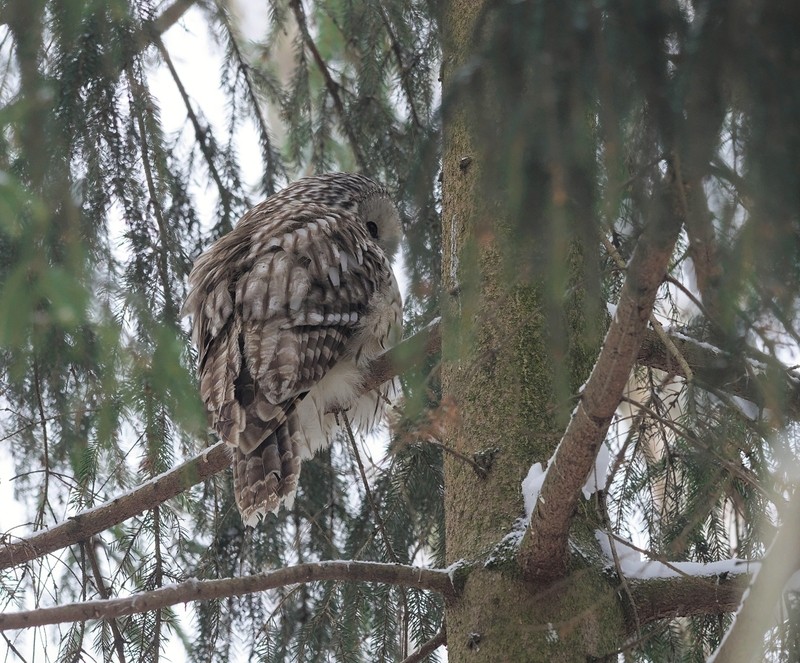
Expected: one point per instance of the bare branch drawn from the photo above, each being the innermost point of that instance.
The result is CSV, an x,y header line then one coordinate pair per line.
x,y
169,17
683,596
411,352
765,383
543,552
436,580
428,648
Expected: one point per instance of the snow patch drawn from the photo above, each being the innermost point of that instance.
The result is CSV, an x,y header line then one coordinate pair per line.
x,y
598,475
531,486
749,409
453,568
633,566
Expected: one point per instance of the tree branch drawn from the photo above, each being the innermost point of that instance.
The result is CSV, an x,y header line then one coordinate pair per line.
x,y
92,521
421,653
765,384
332,86
436,580
683,596
411,352
164,21
543,552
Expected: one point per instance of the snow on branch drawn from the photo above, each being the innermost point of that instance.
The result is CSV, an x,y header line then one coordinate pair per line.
x,y
543,552
764,383
436,580
412,351
659,589
637,564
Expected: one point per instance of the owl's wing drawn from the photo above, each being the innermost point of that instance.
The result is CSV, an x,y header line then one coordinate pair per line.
x,y
274,303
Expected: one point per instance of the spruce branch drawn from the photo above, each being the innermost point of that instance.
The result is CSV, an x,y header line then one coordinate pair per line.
x,y
763,382
436,580
411,352
140,95
543,552
404,69
270,160
201,133
368,492
332,86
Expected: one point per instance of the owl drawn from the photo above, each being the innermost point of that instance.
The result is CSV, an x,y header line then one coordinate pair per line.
x,y
288,310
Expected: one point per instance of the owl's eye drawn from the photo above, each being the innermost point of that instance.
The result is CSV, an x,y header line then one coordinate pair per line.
x,y
373,229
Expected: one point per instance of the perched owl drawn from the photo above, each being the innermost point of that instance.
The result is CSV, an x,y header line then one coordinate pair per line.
x,y
288,310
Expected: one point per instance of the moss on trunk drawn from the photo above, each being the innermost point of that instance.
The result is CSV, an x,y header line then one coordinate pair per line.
x,y
501,374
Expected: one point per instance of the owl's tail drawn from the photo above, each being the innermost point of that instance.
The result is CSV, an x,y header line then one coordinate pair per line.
x,y
268,475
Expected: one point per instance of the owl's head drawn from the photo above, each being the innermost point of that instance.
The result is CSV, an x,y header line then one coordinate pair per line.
x,y
353,192
382,221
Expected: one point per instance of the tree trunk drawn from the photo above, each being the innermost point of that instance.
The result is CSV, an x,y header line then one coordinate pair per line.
x,y
499,372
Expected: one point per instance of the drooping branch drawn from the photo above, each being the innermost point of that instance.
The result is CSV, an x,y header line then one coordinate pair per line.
x,y
543,549
684,596
331,85
411,352
436,580
202,134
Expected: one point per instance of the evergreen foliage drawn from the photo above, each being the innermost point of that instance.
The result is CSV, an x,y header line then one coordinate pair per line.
x,y
585,109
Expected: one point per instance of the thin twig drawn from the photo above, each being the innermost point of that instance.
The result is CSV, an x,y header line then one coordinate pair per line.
x,y
45,446
428,648
91,553
603,513
378,518
479,469
398,53
141,94
201,133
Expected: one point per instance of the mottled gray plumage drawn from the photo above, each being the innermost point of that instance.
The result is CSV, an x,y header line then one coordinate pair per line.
x,y
288,310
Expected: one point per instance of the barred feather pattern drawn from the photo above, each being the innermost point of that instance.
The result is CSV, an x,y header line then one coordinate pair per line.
x,y
288,310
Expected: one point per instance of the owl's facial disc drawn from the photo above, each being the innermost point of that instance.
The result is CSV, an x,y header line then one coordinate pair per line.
x,y
382,222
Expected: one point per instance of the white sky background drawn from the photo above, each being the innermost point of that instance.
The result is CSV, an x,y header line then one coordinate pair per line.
x,y
198,60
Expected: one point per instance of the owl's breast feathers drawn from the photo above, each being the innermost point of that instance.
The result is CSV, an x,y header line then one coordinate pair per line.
x,y
288,310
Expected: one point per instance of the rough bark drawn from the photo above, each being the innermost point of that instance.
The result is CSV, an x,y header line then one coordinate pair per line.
x,y
498,371
544,549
